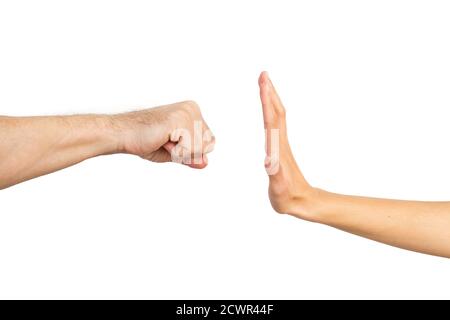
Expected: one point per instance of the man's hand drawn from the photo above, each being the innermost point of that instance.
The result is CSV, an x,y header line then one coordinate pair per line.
x,y
34,146
175,132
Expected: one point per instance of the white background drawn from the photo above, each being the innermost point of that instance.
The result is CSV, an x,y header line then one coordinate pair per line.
x,y
366,87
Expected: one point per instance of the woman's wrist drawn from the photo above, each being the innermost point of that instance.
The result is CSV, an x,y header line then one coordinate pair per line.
x,y
310,205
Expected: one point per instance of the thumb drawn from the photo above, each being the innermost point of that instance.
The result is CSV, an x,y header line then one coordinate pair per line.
x,y
273,110
172,149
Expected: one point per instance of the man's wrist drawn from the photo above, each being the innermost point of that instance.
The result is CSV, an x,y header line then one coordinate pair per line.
x,y
96,132
109,133
131,131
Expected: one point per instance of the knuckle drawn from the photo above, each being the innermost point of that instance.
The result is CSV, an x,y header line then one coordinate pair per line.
x,y
209,147
191,105
208,136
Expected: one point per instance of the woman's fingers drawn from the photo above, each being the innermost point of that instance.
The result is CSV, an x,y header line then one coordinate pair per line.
x,y
274,124
266,101
275,98
268,116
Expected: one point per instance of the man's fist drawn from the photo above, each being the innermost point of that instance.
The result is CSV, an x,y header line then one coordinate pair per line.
x,y
175,132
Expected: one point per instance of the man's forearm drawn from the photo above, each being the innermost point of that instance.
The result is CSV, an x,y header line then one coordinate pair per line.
x,y
34,146
414,225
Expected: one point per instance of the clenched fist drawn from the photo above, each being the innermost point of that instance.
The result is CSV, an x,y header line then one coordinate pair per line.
x,y
175,132
34,146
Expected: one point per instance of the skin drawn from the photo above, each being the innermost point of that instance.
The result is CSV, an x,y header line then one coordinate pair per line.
x,y
35,146
413,225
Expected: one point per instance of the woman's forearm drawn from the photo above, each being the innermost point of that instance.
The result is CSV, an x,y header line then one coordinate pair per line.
x,y
414,225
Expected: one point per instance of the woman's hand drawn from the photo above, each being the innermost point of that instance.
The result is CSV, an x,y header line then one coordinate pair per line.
x,y
289,192
422,226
